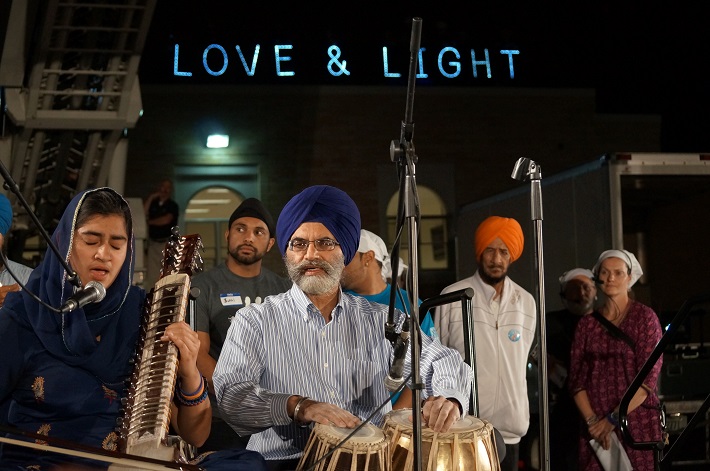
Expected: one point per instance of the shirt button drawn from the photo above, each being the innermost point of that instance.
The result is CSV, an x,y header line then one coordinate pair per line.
x,y
325,365
332,394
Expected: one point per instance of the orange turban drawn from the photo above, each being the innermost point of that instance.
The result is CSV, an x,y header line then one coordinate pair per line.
x,y
507,229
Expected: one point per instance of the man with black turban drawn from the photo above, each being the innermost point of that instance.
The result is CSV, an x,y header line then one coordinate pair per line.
x,y
315,354
225,289
504,320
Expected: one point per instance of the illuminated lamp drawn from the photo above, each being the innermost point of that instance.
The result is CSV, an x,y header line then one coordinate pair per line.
x,y
217,141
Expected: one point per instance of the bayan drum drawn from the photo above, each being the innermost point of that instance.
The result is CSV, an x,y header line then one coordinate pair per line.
x,y
469,445
364,451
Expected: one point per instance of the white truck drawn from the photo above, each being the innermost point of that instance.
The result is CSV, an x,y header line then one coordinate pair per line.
x,y
655,205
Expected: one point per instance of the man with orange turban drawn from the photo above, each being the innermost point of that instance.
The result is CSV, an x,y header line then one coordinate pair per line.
x,y
504,320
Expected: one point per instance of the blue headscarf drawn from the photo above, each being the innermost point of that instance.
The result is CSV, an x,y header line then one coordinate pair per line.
x,y
5,214
327,205
72,336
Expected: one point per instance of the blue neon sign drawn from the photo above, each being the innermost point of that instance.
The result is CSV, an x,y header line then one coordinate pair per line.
x,y
447,63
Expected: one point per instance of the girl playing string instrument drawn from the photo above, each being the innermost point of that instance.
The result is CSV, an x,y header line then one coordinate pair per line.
x,y
65,374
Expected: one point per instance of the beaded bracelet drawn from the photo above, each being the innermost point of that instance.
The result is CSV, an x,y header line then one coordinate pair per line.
x,y
591,420
194,399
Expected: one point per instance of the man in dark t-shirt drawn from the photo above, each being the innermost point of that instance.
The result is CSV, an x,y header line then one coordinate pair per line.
x,y
578,294
239,281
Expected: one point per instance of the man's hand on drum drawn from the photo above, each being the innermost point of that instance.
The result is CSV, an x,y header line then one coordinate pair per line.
x,y
325,413
439,413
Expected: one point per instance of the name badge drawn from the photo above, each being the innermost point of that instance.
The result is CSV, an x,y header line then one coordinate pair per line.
x,y
231,299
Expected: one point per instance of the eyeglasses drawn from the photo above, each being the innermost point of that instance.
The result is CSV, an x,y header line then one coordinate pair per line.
x,y
322,245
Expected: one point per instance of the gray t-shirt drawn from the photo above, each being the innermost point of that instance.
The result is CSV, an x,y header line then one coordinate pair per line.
x,y
222,294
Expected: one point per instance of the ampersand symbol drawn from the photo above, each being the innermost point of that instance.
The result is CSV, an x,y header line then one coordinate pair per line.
x,y
334,53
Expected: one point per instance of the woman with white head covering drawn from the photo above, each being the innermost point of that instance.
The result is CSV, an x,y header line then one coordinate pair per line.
x,y
610,347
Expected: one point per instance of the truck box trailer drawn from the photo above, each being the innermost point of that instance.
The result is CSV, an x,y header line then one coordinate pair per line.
x,y
655,205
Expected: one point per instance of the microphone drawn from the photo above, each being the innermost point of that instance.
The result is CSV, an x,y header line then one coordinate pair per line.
x,y
93,292
394,379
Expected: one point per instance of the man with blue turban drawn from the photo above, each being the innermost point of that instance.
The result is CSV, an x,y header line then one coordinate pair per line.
x,y
8,268
315,354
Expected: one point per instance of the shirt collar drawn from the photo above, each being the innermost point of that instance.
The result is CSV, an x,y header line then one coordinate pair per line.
x,y
489,292
306,309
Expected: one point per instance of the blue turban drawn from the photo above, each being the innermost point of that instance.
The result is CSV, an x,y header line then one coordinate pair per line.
x,y
5,214
327,205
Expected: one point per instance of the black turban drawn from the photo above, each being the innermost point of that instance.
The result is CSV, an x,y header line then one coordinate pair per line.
x,y
252,207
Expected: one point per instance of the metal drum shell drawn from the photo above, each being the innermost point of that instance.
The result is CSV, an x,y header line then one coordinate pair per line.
x,y
468,446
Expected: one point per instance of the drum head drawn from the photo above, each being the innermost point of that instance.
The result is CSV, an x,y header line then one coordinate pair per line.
x,y
467,424
367,434
402,418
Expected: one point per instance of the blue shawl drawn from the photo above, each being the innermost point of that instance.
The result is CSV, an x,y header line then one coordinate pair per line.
x,y
72,337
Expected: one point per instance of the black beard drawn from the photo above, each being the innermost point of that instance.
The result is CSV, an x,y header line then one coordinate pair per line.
x,y
491,280
246,259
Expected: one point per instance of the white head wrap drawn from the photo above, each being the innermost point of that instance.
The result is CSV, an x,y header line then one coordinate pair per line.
x,y
628,258
370,241
401,267
573,273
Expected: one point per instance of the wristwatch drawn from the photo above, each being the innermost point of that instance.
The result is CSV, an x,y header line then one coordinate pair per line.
x,y
614,418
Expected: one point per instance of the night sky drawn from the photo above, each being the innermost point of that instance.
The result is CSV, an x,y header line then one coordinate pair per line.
x,y
644,59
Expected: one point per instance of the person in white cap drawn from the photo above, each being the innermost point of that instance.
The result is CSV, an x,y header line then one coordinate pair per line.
x,y
367,273
578,294
366,276
610,346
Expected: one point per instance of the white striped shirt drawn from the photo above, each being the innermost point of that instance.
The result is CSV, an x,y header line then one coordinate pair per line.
x,y
284,347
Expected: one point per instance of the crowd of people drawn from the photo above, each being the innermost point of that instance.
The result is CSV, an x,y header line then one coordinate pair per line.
x,y
271,356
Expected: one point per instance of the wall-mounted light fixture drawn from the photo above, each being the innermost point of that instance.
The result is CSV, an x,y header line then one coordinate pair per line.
x,y
217,141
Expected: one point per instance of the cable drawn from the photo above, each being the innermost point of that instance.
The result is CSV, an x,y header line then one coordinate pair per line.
x,y
24,288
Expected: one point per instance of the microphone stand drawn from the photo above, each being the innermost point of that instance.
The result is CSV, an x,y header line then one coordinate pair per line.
x,y
526,169
12,186
402,152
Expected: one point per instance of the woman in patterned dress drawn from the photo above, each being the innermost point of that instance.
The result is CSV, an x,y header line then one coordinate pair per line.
x,y
606,358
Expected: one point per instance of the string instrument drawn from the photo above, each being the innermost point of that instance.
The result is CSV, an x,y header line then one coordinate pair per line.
x,y
144,427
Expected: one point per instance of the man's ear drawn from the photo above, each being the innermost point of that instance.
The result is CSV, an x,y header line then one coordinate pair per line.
x,y
368,257
272,241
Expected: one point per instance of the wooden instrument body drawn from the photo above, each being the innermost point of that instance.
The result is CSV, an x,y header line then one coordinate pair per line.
x,y
145,427
367,450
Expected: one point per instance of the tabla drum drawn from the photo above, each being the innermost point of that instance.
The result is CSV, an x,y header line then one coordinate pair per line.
x,y
469,445
364,451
